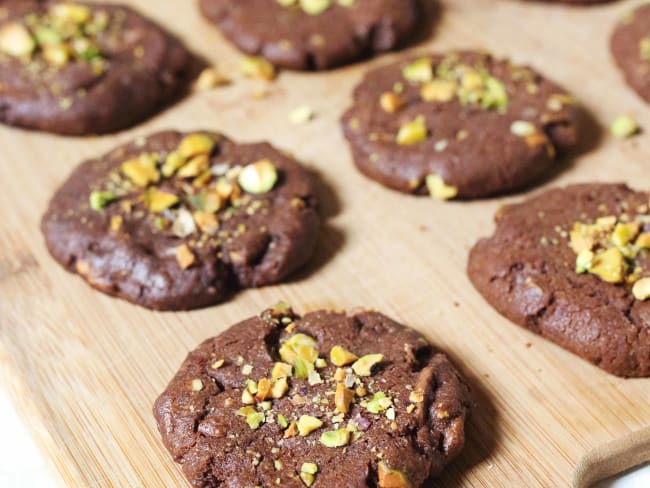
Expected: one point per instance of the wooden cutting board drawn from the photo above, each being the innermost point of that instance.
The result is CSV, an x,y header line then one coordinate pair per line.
x,y
84,369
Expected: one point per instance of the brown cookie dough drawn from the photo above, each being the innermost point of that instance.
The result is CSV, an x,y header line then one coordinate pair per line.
x,y
77,68
325,400
573,265
178,221
630,46
463,124
313,34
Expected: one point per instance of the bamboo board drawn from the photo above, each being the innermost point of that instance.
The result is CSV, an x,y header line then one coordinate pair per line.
x,y
84,369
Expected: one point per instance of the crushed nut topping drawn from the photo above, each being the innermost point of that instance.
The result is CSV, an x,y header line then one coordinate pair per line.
x,y
610,248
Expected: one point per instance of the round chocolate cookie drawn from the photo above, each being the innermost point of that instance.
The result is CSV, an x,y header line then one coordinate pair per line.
x,y
573,265
313,34
178,221
78,68
325,400
630,46
458,125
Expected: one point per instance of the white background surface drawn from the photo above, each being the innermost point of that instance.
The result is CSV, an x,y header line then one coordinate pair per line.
x,y
21,465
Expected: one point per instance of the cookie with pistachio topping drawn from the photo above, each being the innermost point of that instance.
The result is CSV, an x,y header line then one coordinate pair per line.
x,y
179,221
313,34
573,265
458,125
630,46
324,400
78,68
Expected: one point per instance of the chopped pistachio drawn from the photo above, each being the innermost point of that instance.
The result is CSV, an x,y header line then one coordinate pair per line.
x,y
282,421
158,201
643,241
184,224
141,170
281,370
297,343
625,233
207,222
307,478
301,115
255,419
341,356
302,367
310,468
391,478
584,261
100,199
609,265
16,40
379,403
209,79
196,384
185,256
624,127
259,177
279,388
495,95
641,289
257,67
644,48
335,438
194,167
412,132
56,55
292,430
523,128
307,424
71,12
173,162
364,365
116,222
195,144
245,411
263,389
416,396
315,7
247,397
438,91
391,102
342,398
438,189
420,70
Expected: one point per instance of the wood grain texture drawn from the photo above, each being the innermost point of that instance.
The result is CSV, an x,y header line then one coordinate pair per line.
x,y
84,369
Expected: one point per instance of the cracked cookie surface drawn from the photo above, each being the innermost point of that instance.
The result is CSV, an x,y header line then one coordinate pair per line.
x,y
78,68
178,221
573,265
327,399
459,125
317,35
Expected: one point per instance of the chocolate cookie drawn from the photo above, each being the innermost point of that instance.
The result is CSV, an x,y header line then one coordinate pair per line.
x,y
630,46
325,400
177,221
458,125
573,265
313,34
79,68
